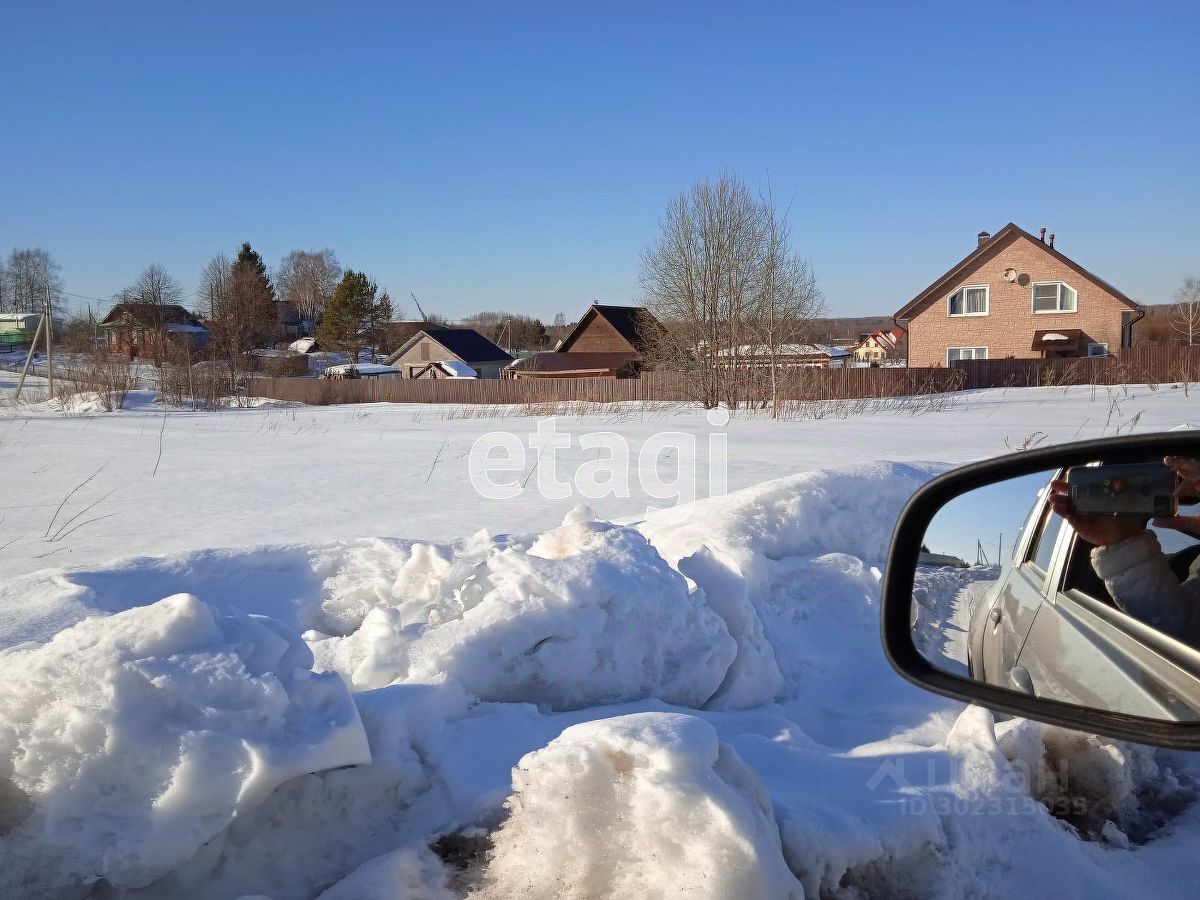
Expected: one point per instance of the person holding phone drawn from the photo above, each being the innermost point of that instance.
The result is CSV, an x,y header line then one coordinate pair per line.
x,y
1127,556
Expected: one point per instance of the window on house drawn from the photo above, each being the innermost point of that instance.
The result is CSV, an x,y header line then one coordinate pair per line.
x,y
969,301
1053,297
953,354
1095,349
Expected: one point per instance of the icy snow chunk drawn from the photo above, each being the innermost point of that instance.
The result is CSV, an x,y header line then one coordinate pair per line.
x,y
644,805
136,738
411,874
603,620
753,677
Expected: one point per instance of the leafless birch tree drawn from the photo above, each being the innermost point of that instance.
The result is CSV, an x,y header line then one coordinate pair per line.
x,y
729,290
1185,315
30,272
307,279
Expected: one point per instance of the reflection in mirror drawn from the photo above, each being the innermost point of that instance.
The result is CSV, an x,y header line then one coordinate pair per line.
x,y
1080,585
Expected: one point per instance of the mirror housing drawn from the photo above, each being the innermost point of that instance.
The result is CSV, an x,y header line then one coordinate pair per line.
x,y
899,581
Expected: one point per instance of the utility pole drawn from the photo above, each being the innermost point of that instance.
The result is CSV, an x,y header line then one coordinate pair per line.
x,y
49,319
29,355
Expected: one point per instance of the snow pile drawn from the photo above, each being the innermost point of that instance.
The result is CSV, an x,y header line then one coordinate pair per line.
x,y
649,805
128,742
1109,790
597,710
413,873
585,614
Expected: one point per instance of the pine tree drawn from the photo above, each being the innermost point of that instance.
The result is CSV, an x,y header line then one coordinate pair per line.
x,y
353,315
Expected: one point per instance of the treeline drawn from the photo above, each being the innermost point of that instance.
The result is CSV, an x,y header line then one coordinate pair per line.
x,y
246,305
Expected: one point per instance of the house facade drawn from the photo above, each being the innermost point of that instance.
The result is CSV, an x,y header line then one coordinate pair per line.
x,y
878,346
151,329
1016,297
436,344
607,342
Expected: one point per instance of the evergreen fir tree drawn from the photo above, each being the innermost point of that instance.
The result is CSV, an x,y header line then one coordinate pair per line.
x,y
253,300
353,315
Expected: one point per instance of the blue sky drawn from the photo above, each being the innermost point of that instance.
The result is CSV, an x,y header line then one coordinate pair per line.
x,y
518,155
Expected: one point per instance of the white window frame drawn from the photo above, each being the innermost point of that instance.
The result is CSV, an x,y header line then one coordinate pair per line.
x,y
984,349
1092,345
987,300
1058,311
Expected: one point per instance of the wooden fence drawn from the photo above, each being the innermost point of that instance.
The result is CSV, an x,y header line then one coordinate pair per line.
x,y
1143,365
1148,365
801,384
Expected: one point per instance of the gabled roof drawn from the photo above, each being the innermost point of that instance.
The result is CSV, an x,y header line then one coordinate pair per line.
x,y
466,343
887,339
635,324
560,362
989,248
152,315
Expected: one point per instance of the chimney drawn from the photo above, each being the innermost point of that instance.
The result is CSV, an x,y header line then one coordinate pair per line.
x,y
984,237
1052,242
1042,237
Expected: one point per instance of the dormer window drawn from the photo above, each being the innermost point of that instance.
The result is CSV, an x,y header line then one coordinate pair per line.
x,y
969,301
1053,297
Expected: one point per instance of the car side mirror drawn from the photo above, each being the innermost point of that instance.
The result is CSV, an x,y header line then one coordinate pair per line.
x,y
1059,584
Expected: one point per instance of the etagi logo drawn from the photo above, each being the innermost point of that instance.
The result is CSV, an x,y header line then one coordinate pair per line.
x,y
666,467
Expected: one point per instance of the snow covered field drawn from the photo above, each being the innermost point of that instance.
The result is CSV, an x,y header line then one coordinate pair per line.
x,y
290,652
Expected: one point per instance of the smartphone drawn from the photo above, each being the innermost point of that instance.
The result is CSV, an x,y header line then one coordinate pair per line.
x,y
1142,489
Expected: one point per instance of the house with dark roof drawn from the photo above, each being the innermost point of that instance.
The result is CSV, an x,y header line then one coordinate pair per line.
x,y
436,344
149,329
1016,296
608,342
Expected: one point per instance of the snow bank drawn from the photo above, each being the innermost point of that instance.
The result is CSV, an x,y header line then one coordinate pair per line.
x,y
649,805
583,615
128,742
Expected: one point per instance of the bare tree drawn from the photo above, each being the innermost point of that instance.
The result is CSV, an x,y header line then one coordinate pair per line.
x,y
786,300
729,290
1185,314
307,279
28,275
154,290
154,287
215,287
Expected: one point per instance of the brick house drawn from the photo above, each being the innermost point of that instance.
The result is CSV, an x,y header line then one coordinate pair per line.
x,y
1016,296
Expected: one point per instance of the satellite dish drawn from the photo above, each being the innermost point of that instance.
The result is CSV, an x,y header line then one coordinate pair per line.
x,y
1010,275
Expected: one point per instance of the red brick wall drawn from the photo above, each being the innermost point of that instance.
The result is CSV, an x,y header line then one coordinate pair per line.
x,y
1007,330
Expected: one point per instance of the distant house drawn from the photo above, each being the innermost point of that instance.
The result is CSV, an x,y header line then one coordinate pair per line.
x,y
17,330
290,324
1016,296
608,342
436,344
788,356
148,329
878,345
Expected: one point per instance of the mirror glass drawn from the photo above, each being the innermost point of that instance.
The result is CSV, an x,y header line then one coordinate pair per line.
x,y
1080,585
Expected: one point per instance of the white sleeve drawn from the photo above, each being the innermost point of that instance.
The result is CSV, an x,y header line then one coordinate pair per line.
x,y
1139,578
